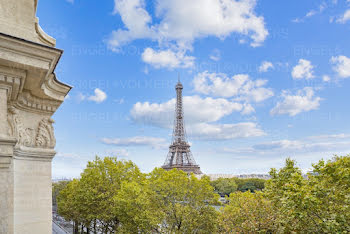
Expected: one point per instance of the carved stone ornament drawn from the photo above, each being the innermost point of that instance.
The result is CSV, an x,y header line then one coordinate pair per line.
x,y
43,137
24,136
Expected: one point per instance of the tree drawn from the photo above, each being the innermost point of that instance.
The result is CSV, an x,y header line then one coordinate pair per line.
x,y
224,186
91,201
68,204
251,184
318,204
57,187
140,212
247,213
184,201
100,183
329,185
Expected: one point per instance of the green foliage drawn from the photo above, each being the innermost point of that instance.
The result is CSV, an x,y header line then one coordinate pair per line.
x,y
138,208
318,204
247,213
184,201
251,184
92,197
68,203
115,197
57,187
224,186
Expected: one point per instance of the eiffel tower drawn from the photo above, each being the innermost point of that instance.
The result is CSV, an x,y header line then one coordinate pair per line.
x,y
180,155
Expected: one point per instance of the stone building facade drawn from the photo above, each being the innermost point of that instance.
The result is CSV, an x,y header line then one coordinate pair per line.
x,y
29,95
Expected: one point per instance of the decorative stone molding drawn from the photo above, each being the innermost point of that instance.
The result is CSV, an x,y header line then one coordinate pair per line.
x,y
45,137
40,137
13,79
34,154
29,96
25,136
44,37
6,151
55,89
27,101
39,62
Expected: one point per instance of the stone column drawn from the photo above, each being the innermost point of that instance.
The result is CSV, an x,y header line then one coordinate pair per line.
x,y
3,111
29,95
6,167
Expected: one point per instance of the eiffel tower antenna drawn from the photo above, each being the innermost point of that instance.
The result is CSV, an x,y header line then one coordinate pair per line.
x,y
180,155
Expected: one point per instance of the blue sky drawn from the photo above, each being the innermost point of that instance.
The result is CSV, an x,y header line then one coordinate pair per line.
x,y
263,80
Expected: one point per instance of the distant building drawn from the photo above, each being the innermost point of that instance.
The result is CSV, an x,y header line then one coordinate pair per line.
x,y
246,176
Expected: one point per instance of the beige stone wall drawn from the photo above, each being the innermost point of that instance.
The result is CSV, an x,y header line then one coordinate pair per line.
x,y
6,199
18,13
32,196
17,18
29,95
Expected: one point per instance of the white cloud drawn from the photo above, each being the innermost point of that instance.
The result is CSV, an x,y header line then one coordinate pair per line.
x,y
265,66
247,109
167,58
200,115
119,101
330,136
67,155
300,146
292,105
326,78
286,147
154,142
205,131
304,70
341,65
118,153
196,110
239,86
99,96
322,143
274,145
311,13
81,97
177,23
215,55
135,19
344,18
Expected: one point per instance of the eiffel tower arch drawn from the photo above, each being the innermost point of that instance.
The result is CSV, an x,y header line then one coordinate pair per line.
x,y
180,155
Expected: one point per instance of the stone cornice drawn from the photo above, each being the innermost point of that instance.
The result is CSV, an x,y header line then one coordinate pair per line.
x,y
39,62
13,79
35,154
28,102
55,89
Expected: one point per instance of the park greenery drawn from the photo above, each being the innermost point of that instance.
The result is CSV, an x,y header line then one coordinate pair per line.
x,y
226,186
113,196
